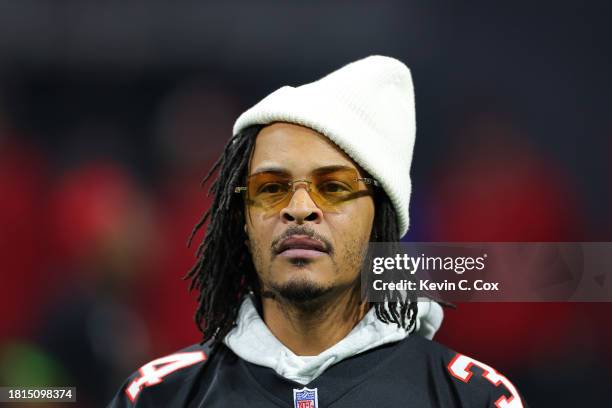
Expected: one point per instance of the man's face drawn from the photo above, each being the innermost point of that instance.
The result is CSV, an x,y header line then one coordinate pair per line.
x,y
303,252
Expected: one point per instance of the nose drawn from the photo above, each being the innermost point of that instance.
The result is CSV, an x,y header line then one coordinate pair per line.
x,y
301,208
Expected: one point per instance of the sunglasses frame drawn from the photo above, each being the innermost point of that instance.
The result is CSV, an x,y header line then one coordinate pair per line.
x,y
291,184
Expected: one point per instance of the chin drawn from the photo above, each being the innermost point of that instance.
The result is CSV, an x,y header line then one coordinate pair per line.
x,y
286,269
302,290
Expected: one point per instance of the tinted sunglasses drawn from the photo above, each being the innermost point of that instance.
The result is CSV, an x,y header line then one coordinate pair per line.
x,y
272,191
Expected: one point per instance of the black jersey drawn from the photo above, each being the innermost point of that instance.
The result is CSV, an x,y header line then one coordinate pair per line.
x,y
414,372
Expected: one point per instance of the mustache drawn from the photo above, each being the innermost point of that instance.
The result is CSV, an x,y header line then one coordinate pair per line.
x,y
301,230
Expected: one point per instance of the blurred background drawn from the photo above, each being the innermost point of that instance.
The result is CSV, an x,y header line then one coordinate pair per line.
x,y
111,114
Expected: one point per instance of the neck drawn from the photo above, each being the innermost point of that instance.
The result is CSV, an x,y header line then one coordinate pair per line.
x,y
308,330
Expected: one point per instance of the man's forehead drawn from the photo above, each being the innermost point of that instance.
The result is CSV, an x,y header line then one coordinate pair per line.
x,y
321,170
291,148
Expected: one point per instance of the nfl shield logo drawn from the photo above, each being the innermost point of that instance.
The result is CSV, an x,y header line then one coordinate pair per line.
x,y
305,398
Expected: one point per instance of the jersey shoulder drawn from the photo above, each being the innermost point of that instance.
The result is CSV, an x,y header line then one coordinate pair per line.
x,y
475,383
165,381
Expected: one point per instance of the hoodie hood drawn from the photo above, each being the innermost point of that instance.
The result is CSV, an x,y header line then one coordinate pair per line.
x,y
252,341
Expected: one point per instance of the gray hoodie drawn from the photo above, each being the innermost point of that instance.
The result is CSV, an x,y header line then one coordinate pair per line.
x,y
252,341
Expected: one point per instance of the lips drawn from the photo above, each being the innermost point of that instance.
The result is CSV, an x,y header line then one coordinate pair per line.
x,y
302,247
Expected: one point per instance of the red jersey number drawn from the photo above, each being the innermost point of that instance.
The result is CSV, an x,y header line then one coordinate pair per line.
x,y
460,367
154,372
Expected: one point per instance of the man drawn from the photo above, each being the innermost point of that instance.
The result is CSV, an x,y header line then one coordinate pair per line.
x,y
311,175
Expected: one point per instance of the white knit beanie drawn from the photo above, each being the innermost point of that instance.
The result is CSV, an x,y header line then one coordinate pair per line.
x,y
366,108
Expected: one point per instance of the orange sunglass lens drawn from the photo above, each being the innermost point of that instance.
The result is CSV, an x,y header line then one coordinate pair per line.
x,y
271,190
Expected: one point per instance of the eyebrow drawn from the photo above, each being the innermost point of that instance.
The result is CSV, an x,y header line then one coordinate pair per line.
x,y
319,170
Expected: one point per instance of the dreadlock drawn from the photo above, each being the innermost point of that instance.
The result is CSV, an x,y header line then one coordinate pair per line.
x,y
224,272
